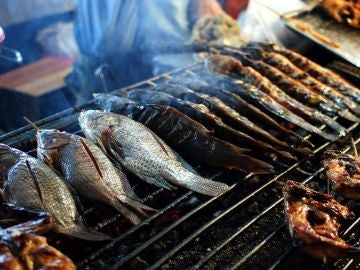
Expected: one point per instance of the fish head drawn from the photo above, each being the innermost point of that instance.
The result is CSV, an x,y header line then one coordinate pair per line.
x,y
49,142
109,102
95,123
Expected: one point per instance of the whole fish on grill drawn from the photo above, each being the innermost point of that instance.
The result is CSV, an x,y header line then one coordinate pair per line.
x,y
343,171
196,112
292,84
30,183
21,246
228,65
227,114
143,153
265,77
191,138
89,171
262,75
235,102
324,75
314,222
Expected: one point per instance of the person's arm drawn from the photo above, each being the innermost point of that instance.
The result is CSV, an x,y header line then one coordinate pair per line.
x,y
2,35
208,7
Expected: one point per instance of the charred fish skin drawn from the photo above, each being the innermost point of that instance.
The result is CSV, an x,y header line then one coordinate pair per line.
x,y
227,114
235,102
324,75
90,172
228,65
343,171
321,79
32,184
199,114
265,78
314,222
143,153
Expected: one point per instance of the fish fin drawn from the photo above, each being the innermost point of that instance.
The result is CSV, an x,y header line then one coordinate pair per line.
x,y
159,142
133,217
81,232
157,181
36,181
126,186
140,207
93,159
200,184
115,147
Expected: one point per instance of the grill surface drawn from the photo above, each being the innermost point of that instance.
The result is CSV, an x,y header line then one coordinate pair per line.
x,y
243,228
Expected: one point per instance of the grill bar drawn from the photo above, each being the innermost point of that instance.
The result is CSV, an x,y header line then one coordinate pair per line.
x,y
228,211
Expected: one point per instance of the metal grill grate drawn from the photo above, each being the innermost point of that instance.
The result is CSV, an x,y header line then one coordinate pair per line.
x,y
243,228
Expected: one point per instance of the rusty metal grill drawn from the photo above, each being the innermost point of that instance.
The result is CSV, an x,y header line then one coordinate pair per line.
x,y
241,229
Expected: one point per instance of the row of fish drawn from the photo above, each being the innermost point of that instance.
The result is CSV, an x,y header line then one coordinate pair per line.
x,y
69,164
211,115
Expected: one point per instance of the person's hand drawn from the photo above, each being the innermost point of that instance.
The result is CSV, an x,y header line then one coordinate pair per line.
x,y
209,7
2,35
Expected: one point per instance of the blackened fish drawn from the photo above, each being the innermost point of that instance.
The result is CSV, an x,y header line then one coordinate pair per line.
x,y
228,65
196,112
191,138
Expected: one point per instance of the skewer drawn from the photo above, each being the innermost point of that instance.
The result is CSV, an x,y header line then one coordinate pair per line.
x,y
354,146
31,123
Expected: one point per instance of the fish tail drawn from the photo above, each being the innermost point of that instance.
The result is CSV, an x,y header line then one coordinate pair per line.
x,y
137,205
200,184
83,233
227,155
130,214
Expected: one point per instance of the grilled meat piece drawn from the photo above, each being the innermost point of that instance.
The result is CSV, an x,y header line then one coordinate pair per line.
x,y
143,153
314,222
230,66
89,171
266,78
343,11
343,171
30,183
293,86
194,111
21,247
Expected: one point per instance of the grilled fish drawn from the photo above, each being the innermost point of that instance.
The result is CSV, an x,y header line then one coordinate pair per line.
x,y
343,171
31,184
332,85
227,114
235,102
192,139
143,153
89,171
228,65
314,222
196,112
292,84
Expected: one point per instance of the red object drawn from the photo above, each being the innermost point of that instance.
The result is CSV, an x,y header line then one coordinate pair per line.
x,y
234,7
2,35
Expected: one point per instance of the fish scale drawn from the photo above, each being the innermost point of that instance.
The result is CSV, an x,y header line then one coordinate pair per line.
x,y
143,153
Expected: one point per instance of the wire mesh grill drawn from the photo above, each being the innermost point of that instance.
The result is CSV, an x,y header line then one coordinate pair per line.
x,y
241,229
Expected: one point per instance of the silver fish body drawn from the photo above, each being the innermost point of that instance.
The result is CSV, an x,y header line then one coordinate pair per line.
x,y
32,184
89,171
143,153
